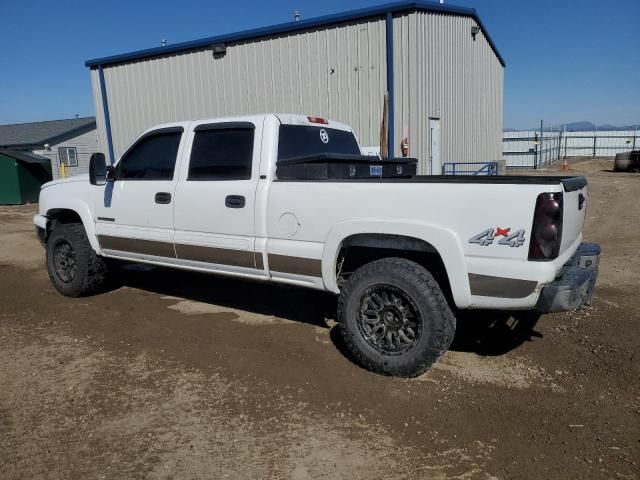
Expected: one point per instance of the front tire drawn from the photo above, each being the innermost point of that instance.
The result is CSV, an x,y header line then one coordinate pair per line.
x,y
394,318
74,267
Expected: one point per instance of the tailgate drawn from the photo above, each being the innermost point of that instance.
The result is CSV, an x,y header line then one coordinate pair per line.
x,y
574,210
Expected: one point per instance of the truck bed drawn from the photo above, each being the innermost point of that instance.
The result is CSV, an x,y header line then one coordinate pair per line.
x,y
570,183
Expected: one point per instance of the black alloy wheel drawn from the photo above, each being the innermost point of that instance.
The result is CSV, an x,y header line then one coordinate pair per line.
x,y
389,320
64,261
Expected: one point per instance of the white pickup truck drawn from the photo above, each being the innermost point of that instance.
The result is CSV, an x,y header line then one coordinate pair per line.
x,y
251,197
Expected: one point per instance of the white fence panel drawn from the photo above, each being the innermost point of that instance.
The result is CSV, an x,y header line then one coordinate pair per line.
x,y
533,149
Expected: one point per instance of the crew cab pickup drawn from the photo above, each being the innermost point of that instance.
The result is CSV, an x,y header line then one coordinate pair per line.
x,y
258,197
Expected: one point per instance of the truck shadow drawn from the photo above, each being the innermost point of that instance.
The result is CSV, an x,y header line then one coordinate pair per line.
x,y
484,332
288,302
493,332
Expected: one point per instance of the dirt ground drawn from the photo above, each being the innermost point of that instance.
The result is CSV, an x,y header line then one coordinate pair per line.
x,y
181,375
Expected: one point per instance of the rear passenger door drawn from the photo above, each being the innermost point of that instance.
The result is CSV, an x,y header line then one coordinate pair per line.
x,y
215,198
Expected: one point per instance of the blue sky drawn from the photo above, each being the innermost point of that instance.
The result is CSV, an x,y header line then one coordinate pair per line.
x,y
566,60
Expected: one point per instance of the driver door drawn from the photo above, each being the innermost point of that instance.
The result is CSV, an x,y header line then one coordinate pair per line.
x,y
134,212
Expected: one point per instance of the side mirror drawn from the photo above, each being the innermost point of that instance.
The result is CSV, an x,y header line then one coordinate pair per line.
x,y
97,169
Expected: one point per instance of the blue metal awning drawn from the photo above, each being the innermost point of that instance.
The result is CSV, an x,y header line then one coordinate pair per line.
x,y
327,20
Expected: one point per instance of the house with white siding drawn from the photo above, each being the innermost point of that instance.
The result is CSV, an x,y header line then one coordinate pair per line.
x,y
68,142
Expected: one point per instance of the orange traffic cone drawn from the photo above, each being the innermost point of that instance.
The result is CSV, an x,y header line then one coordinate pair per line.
x,y
565,165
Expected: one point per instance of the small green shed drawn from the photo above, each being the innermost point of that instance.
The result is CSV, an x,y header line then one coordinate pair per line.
x,y
21,176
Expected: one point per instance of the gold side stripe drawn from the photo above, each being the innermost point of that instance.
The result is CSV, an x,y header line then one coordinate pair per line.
x,y
259,262
222,256
295,265
500,287
134,245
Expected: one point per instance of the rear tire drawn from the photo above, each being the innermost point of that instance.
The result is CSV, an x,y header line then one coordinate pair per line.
x,y
394,318
622,162
74,267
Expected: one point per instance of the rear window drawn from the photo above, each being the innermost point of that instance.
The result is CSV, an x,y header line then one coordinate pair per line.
x,y
303,140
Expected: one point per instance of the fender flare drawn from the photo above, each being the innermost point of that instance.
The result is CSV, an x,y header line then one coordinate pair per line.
x,y
445,241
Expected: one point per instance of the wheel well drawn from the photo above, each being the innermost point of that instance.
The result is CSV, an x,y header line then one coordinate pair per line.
x,y
58,216
361,249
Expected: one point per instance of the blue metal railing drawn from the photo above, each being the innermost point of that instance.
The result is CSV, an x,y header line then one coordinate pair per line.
x,y
470,168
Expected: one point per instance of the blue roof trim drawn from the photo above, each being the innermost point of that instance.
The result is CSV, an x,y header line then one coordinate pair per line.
x,y
380,10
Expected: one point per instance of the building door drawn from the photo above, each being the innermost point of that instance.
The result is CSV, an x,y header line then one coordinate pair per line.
x,y
434,150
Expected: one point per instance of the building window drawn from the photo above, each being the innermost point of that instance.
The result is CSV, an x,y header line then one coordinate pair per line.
x,y
68,156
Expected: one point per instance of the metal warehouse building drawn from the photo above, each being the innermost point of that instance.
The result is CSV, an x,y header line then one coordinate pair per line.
x,y
442,72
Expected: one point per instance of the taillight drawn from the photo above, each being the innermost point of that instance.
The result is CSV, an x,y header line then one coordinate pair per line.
x,y
318,120
546,232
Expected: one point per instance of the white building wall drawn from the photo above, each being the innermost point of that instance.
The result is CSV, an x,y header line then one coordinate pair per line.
x,y
441,72
85,144
337,72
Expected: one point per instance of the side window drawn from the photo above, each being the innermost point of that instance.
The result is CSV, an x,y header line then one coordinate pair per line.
x,y
152,158
221,153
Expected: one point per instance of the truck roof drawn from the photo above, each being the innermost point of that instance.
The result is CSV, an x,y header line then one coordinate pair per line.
x,y
283,118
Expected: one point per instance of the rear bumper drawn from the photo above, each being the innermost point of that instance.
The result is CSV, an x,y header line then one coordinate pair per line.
x,y
573,287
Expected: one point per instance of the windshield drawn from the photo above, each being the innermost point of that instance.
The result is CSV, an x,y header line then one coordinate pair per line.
x,y
304,140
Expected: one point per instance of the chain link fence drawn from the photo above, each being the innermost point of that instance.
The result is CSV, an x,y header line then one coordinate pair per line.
x,y
537,148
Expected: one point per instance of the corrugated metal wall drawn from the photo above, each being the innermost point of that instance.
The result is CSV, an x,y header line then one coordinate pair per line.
x,y
338,72
97,105
441,72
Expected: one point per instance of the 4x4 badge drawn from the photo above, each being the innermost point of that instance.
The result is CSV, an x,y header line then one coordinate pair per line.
x,y
486,237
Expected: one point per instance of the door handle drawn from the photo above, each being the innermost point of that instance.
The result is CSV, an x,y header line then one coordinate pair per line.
x,y
234,201
163,198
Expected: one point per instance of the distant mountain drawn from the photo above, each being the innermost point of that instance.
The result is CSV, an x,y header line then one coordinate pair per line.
x,y
578,127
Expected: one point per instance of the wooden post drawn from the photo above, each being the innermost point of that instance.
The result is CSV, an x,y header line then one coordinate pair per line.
x,y
384,128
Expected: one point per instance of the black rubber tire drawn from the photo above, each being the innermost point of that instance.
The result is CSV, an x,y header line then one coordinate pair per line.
x,y
622,162
91,269
437,320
